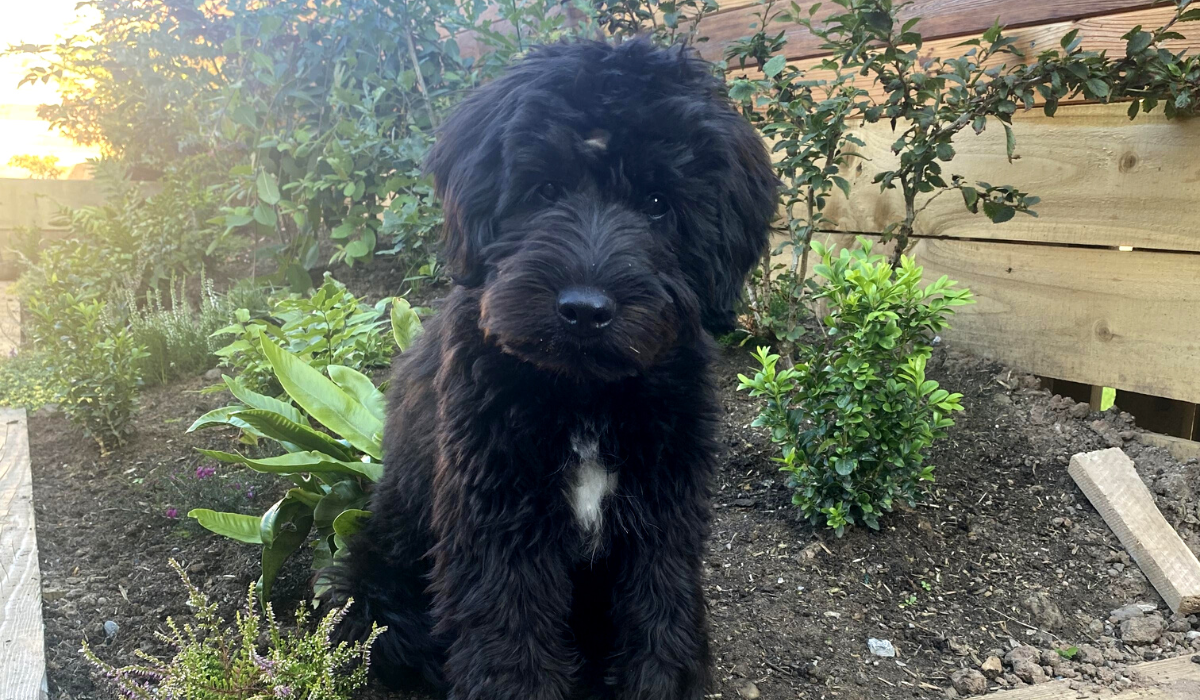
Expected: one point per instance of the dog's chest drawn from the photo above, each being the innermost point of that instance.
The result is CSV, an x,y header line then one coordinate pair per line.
x,y
589,486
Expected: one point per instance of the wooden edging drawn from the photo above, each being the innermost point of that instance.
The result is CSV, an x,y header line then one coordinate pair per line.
x,y
22,654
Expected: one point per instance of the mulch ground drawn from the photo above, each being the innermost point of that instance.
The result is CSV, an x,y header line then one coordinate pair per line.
x,y
1005,552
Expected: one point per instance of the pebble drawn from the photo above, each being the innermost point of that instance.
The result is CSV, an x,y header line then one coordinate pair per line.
x,y
111,628
749,691
1029,671
214,374
1142,630
881,647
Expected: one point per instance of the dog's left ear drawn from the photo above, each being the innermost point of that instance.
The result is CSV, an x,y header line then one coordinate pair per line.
x,y
465,164
747,204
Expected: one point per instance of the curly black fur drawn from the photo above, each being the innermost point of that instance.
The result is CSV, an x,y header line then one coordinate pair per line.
x,y
622,170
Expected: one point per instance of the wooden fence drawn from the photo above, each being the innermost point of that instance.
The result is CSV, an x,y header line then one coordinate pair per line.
x,y
1103,288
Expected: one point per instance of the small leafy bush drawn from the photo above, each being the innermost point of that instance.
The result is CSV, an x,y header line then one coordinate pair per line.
x,y
95,364
329,468
28,380
178,337
855,414
332,326
216,660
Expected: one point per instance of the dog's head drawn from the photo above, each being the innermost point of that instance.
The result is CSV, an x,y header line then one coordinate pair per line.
x,y
608,200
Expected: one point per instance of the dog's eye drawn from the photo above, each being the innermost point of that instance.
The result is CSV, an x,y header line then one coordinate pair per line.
x,y
657,206
548,191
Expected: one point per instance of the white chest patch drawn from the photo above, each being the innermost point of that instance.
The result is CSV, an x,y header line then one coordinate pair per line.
x,y
590,485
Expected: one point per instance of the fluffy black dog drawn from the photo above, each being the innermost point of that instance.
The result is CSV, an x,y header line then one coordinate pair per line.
x,y
539,531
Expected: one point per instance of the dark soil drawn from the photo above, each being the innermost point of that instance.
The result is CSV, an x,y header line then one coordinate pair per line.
x,y
1006,550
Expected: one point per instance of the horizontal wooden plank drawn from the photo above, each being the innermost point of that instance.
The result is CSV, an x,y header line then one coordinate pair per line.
x,y
1178,448
939,19
1129,320
1102,33
22,654
1112,485
1172,679
1103,180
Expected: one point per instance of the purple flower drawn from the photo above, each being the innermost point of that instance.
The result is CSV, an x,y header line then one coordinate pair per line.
x,y
283,691
172,513
203,472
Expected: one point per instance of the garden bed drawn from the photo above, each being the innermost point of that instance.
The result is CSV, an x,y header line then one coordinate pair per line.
x,y
1007,550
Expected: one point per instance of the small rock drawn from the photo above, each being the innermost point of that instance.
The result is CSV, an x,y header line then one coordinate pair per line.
x,y
749,691
1193,635
214,374
1043,609
743,502
1142,630
52,594
1080,411
111,628
1029,671
1023,653
881,647
1178,623
993,667
1089,654
1128,612
968,681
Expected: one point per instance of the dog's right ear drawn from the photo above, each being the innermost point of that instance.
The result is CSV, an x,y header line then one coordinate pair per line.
x,y
466,166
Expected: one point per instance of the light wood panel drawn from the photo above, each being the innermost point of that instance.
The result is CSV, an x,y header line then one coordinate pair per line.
x,y
1108,318
939,19
1102,33
1112,485
22,655
1172,679
1102,179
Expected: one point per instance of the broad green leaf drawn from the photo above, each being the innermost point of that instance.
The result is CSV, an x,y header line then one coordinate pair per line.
x,y
350,522
360,387
344,495
325,401
406,325
283,529
266,403
774,66
276,427
293,462
243,528
268,188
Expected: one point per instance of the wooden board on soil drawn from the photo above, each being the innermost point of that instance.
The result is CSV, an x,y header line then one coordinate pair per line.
x,y
22,655
1172,679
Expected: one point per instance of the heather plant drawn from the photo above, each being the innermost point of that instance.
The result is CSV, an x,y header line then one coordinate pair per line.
x,y
854,416
252,658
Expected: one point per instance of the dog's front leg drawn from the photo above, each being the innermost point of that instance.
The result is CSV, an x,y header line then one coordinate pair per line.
x,y
504,598
659,613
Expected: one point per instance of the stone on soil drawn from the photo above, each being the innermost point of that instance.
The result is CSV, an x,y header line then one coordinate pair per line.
x,y
993,667
1142,630
881,647
969,682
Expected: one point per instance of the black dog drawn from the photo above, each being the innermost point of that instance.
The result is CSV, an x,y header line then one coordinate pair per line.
x,y
540,529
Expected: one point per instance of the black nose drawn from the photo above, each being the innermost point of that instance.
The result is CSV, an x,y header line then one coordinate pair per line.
x,y
585,311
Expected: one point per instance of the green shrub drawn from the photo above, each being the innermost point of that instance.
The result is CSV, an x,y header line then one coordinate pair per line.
x,y
28,380
252,659
855,414
332,326
178,337
329,469
95,364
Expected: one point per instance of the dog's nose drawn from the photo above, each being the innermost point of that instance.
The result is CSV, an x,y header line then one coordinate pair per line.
x,y
585,311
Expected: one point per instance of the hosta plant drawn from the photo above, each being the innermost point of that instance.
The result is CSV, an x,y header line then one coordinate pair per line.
x,y
855,414
329,427
254,658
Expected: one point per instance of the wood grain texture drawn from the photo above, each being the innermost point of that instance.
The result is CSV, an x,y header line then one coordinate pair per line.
x,y
1172,679
1101,33
1178,448
1103,180
939,19
1110,481
1101,317
22,655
